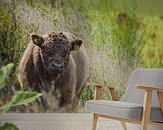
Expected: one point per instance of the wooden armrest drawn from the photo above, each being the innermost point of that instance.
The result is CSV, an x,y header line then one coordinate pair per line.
x,y
150,88
148,97
100,85
95,85
98,91
112,92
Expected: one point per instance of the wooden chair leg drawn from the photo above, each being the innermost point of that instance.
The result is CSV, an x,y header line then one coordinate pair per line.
x,y
94,121
124,125
146,109
160,98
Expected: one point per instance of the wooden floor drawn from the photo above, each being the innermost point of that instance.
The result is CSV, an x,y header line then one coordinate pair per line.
x,y
57,121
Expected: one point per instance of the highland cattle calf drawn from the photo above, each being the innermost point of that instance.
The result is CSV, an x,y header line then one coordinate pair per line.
x,y
55,63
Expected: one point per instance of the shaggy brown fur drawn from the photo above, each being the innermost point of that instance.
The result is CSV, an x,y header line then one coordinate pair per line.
x,y
52,64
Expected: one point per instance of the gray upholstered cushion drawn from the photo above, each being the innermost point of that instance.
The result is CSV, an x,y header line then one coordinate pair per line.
x,y
121,109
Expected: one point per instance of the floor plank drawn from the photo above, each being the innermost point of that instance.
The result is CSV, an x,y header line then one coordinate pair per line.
x,y
57,121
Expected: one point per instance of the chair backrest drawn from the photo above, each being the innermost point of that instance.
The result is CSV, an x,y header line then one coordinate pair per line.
x,y
147,77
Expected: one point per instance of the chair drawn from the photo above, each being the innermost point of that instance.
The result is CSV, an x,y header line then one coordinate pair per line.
x,y
142,102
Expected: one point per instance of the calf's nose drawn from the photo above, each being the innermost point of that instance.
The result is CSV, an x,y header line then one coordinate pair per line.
x,y
58,66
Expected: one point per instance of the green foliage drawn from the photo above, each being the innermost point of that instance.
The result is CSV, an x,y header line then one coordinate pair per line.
x,y
88,94
123,32
20,98
7,37
14,36
122,40
8,126
152,49
4,72
24,97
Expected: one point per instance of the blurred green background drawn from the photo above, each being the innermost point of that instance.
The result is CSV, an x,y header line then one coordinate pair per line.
x,y
119,36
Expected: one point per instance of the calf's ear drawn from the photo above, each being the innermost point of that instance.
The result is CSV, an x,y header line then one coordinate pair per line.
x,y
75,45
37,40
